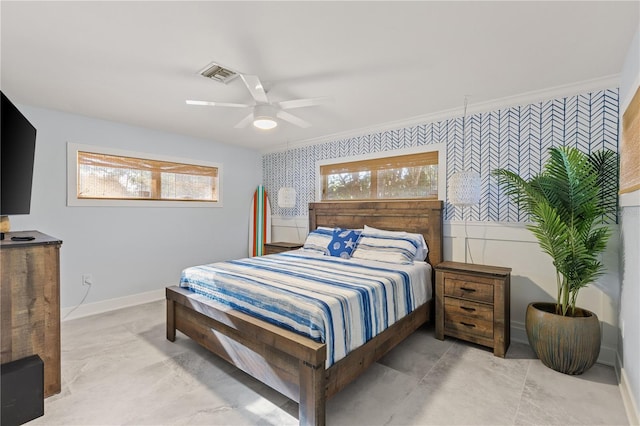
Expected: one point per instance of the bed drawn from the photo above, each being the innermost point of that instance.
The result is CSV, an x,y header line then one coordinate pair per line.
x,y
293,364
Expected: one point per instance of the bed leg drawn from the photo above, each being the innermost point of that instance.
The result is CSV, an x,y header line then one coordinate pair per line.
x,y
171,320
311,410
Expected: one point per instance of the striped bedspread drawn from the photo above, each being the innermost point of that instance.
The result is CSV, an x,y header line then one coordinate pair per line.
x,y
340,302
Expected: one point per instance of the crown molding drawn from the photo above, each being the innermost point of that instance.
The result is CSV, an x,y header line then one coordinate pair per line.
x,y
526,98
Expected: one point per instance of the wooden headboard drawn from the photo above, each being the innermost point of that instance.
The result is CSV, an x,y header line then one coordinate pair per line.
x,y
420,217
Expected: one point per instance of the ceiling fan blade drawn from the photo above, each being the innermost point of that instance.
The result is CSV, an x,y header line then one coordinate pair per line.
x,y
244,122
300,103
218,104
255,88
293,119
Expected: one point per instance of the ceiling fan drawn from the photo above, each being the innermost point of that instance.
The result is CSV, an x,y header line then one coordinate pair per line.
x,y
263,112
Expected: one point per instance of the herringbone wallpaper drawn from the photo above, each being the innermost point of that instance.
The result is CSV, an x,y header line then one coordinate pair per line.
x,y
517,138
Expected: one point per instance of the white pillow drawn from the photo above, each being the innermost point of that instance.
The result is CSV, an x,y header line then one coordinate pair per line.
x,y
421,245
319,239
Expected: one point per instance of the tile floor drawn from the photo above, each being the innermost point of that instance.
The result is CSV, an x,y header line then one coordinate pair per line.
x,y
118,369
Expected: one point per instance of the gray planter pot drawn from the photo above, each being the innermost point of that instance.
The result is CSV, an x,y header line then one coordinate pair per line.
x,y
570,345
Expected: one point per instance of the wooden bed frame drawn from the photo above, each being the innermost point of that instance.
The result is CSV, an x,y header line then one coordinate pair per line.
x,y
293,364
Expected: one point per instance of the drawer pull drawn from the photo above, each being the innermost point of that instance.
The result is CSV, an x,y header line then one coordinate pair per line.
x,y
467,309
468,290
466,324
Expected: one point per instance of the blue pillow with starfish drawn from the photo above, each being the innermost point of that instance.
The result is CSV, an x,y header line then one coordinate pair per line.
x,y
344,242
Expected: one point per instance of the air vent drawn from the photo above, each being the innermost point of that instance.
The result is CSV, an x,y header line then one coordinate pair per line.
x,y
219,73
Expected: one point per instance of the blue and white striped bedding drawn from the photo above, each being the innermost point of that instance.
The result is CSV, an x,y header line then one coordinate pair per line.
x,y
340,302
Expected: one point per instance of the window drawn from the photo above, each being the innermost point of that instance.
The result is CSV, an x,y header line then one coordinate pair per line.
x,y
397,177
122,178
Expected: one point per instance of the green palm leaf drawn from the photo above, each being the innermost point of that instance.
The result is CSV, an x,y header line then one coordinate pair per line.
x,y
567,203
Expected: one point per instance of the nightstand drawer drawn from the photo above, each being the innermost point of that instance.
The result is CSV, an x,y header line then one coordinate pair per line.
x,y
471,310
463,323
468,289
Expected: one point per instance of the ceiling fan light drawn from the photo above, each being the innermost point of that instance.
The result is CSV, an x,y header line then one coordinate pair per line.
x,y
264,123
264,117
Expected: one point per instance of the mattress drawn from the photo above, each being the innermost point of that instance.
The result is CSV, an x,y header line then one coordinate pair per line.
x,y
340,302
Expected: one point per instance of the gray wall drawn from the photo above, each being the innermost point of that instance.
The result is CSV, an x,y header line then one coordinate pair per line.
x,y
132,250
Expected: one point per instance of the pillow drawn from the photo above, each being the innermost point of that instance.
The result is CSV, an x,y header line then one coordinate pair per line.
x,y
318,240
344,242
422,248
385,249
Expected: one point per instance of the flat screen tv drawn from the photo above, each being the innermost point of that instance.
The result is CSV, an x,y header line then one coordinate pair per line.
x,y
17,149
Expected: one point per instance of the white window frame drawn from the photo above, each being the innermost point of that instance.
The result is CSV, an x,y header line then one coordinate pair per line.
x,y
441,148
72,179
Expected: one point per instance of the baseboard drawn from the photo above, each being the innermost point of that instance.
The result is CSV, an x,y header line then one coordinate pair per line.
x,y
519,334
633,414
607,356
111,304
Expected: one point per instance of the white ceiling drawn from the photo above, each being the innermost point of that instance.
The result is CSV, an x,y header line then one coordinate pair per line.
x,y
380,62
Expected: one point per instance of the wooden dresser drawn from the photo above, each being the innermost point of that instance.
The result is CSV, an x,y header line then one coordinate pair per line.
x,y
473,304
30,299
279,247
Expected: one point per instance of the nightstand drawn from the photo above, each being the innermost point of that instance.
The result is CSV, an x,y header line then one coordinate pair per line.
x,y
473,304
279,247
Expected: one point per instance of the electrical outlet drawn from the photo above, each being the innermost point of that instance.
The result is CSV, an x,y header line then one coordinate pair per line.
x,y
87,279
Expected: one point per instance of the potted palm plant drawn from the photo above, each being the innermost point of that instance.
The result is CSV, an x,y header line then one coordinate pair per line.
x,y
567,204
